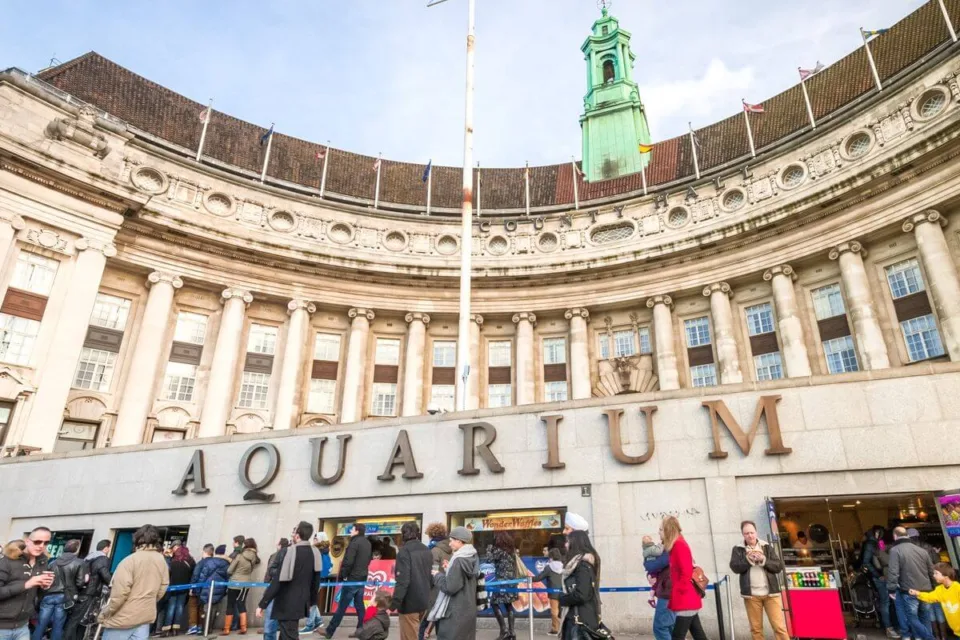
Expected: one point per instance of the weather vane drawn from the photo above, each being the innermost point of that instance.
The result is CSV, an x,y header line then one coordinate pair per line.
x,y
604,5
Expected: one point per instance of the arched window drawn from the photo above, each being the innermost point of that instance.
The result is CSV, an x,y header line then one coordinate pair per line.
x,y
609,73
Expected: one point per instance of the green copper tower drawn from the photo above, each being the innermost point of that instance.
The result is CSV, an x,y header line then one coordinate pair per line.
x,y
613,121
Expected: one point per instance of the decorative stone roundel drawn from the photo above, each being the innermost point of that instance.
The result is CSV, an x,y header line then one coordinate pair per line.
x,y
395,241
282,220
857,145
931,103
447,245
548,242
340,232
498,245
612,232
678,217
793,176
219,204
733,200
149,180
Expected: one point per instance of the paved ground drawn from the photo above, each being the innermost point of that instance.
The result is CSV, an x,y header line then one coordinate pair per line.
x,y
482,634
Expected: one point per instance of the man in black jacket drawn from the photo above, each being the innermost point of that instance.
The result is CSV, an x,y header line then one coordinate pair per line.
x,y
93,577
22,574
294,584
62,595
411,596
354,568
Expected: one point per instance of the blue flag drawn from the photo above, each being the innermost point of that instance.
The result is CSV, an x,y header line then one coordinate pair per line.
x,y
426,172
869,33
266,136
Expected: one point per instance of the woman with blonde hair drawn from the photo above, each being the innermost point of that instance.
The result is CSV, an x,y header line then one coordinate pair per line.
x,y
685,601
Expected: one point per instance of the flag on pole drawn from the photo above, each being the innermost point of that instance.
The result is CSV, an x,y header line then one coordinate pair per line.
x,y
747,110
752,108
577,173
268,138
645,148
324,154
265,138
806,73
866,35
321,154
205,115
694,146
205,119
376,164
577,168
426,172
869,33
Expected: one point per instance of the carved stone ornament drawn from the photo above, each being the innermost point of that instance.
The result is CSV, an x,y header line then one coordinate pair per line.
x,y
579,312
422,317
363,313
149,180
781,269
79,131
525,315
219,204
930,215
48,239
853,247
13,219
661,299
165,276
236,292
476,317
297,304
108,249
721,287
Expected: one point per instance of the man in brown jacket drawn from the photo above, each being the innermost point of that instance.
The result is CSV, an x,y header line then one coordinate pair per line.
x,y
139,582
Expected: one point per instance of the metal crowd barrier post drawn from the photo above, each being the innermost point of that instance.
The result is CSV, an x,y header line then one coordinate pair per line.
x,y
717,597
530,595
206,622
733,633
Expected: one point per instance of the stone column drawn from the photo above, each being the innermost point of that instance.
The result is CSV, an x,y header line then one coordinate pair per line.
x,y
866,327
579,354
667,373
354,375
413,364
287,415
140,388
219,397
941,274
526,385
56,373
795,358
719,294
473,388
10,224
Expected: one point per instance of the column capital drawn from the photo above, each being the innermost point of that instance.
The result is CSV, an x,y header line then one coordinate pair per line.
x,y
780,270
930,215
853,247
579,312
108,249
298,303
529,316
476,317
236,292
416,315
717,287
663,299
172,279
13,219
361,312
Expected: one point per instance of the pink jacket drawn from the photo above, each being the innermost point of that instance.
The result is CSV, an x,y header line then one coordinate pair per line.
x,y
683,595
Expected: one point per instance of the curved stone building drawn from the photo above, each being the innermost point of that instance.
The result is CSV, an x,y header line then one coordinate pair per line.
x,y
809,295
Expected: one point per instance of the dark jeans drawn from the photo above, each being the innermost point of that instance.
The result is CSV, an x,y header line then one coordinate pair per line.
x,y
883,601
270,626
424,623
914,617
289,629
53,615
347,595
172,614
691,624
74,630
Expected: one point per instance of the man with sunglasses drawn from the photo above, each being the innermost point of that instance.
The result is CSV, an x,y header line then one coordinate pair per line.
x,y
21,575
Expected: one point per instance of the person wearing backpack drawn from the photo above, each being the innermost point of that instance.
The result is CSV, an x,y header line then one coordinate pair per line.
x,y
759,567
685,600
94,575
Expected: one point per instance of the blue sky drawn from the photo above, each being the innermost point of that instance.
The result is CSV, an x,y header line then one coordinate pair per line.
x,y
387,75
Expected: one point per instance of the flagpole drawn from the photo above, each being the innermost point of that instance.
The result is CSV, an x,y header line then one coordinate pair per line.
x,y
479,184
376,195
746,118
266,158
643,176
946,18
323,177
873,65
206,121
806,100
526,188
693,146
429,187
576,190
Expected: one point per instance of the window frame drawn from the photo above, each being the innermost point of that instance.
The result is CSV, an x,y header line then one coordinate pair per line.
x,y
696,369
500,387
120,307
250,394
313,393
385,342
706,324
839,354
102,369
445,346
557,344
828,298
556,385
931,329
322,338
262,339
26,259
491,362
26,343
450,391
757,317
181,379
764,370
377,395
185,321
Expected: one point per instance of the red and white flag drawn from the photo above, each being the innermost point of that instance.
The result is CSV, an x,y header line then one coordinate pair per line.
x,y
205,115
376,164
752,108
321,154
806,73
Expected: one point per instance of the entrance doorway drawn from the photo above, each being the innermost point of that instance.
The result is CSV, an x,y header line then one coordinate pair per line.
x,y
123,541
60,538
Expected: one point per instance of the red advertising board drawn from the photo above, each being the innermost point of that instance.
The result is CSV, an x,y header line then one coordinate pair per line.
x,y
380,571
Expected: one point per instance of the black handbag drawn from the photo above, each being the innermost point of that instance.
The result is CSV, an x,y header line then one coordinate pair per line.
x,y
586,633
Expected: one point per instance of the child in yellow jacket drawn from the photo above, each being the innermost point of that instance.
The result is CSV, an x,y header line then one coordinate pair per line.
x,y
947,593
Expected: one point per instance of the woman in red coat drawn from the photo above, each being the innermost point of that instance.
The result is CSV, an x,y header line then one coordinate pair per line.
x,y
685,602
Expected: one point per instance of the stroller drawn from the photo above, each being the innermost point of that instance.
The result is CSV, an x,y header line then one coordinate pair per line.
x,y
863,598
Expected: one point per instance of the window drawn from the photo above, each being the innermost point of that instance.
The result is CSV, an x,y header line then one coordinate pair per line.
x,y
441,396
555,391
95,369
499,354
792,176
841,355
904,278
698,331
704,375
759,319
922,338
555,351
624,343
644,333
932,103
828,302
499,395
444,354
388,352
6,412
191,327
34,273
76,436
322,396
263,339
858,144
179,381
110,312
17,336
326,346
604,342
384,399
769,366
253,390
609,73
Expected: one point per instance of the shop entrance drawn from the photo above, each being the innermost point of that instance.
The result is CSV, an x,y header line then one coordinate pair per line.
x,y
60,538
123,541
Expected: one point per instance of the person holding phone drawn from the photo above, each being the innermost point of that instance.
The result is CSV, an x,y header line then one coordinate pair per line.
x,y
23,571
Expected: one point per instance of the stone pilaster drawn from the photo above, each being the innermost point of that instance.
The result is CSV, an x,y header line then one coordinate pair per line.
x,y
795,358
356,367
667,372
219,397
140,388
941,272
727,355
866,326
10,224
413,363
287,414
579,353
526,357
473,387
